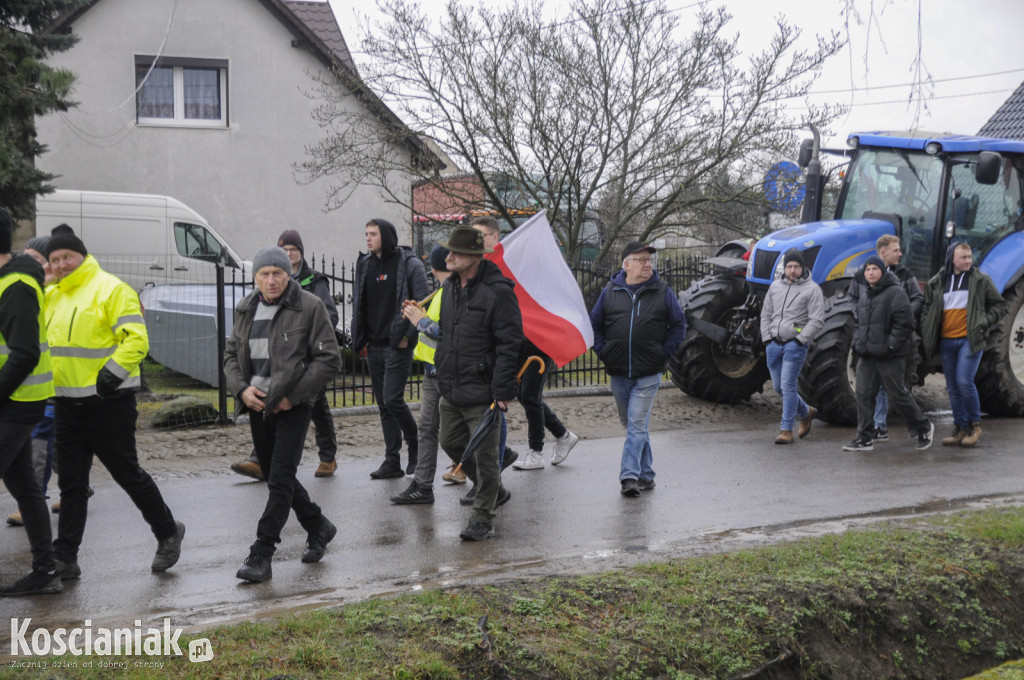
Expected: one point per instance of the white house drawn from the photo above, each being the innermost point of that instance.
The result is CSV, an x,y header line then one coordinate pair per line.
x,y
208,101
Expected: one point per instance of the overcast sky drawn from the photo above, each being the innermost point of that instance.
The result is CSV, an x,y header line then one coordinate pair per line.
x,y
972,52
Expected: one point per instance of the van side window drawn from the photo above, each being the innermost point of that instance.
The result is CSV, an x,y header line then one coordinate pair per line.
x,y
196,242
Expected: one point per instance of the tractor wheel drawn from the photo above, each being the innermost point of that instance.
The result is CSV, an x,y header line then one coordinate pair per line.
x,y
827,379
701,368
1000,378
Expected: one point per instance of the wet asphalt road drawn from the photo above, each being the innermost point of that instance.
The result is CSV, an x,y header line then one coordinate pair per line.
x,y
711,483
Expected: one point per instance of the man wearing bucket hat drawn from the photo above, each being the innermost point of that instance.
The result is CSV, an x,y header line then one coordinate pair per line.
x,y
476,360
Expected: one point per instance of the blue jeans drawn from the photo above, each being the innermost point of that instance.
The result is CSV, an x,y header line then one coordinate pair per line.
x,y
882,409
634,399
784,364
960,365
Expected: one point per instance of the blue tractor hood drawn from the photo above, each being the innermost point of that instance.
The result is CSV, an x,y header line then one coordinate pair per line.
x,y
832,249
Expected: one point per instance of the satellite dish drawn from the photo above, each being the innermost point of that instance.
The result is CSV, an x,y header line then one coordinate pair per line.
x,y
781,187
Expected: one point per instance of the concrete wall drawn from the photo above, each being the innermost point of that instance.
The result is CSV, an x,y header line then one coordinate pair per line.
x,y
240,178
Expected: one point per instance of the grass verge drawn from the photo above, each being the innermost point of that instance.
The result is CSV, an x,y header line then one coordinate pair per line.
x,y
935,597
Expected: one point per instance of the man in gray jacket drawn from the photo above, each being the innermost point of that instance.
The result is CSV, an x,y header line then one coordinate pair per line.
x,y
281,353
792,315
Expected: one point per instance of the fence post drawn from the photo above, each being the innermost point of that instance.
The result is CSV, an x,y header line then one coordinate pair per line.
x,y
222,383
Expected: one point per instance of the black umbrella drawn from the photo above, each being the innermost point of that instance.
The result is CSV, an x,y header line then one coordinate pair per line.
x,y
491,418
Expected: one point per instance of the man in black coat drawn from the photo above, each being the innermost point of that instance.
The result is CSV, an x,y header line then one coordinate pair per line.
x,y
477,358
881,340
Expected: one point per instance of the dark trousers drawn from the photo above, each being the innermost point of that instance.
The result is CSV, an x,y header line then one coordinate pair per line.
x,y
531,395
278,442
457,425
872,373
323,428
389,371
19,477
104,428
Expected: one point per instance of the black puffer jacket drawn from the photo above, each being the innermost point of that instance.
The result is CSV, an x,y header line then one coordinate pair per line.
x,y
885,320
481,332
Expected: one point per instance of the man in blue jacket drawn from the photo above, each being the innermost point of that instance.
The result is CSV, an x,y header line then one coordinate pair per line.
x,y
638,324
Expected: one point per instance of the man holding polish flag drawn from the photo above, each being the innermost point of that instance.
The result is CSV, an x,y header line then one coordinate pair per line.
x,y
556,324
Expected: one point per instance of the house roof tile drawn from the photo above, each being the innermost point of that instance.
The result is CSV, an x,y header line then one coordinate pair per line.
x,y
1008,120
319,18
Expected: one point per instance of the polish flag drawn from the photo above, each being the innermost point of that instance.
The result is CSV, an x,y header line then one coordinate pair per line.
x,y
554,314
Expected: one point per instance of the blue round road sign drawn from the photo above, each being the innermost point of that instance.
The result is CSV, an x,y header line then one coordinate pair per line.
x,y
784,193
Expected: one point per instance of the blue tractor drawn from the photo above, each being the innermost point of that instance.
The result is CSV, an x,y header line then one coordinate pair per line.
x,y
930,191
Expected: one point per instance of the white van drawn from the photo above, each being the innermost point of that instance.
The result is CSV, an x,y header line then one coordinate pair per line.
x,y
142,239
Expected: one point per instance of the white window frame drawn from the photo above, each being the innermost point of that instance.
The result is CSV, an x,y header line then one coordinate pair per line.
x,y
179,65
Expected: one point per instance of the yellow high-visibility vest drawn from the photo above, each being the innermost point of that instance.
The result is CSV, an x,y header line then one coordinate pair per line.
x,y
426,347
38,386
94,321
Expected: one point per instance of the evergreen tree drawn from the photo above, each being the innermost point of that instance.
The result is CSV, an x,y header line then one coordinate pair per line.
x,y
28,88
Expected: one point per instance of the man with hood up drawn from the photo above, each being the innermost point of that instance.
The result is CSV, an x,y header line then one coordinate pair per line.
x,y
638,324
960,305
792,315
385,277
881,341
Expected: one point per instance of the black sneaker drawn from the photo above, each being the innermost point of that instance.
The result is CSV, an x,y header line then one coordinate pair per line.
x,y
881,434
630,488
924,438
860,444
387,471
510,457
169,550
504,496
469,497
645,484
477,531
316,543
255,569
68,571
414,495
410,469
34,583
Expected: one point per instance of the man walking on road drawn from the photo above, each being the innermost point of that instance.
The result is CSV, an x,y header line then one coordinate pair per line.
x,y
881,340
638,325
323,422
888,249
476,360
281,353
385,277
421,489
792,315
97,342
26,382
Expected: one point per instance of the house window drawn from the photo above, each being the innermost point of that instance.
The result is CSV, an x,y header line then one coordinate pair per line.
x,y
181,92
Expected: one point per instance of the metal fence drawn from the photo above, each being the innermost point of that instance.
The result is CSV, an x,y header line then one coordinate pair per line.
x,y
181,319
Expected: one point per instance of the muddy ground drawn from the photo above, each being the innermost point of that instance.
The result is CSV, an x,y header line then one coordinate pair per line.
x,y
211,449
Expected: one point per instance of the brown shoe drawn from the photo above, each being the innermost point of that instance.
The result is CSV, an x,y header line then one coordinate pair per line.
x,y
805,423
247,468
785,437
955,437
14,520
454,477
972,436
326,469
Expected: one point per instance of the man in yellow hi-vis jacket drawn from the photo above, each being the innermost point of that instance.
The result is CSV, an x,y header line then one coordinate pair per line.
x,y
97,341
26,382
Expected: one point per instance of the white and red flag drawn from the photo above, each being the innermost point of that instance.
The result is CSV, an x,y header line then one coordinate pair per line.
x,y
554,314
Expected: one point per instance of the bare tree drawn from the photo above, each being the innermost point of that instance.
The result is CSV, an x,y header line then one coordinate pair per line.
x,y
608,108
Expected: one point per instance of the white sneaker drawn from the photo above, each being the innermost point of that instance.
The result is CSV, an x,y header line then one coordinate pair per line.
x,y
534,461
563,445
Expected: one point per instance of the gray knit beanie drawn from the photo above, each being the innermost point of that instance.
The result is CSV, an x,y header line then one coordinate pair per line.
x,y
38,244
271,256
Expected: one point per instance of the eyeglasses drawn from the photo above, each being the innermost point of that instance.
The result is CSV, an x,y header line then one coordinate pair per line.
x,y
642,260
